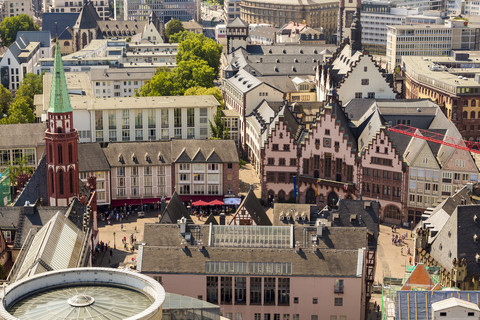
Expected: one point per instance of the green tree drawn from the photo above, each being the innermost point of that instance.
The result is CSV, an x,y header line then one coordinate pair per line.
x,y
194,73
173,26
31,85
162,84
200,91
19,169
218,128
197,45
20,111
5,100
10,26
178,37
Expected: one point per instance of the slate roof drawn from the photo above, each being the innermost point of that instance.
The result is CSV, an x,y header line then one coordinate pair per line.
x,y
456,239
36,187
121,154
56,23
211,219
91,158
301,209
174,210
279,49
163,253
255,209
25,135
36,36
88,17
366,215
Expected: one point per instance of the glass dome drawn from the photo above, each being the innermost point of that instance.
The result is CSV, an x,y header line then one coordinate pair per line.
x,y
82,302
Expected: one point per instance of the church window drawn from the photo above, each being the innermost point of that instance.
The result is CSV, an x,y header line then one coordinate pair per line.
x,y
60,154
60,181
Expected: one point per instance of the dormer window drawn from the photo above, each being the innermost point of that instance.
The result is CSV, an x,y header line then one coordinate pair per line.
x,y
134,158
120,158
147,158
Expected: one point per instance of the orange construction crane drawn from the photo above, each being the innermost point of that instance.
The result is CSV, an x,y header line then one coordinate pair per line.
x,y
437,138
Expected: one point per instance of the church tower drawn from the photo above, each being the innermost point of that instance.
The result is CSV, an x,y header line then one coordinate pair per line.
x,y
61,140
347,10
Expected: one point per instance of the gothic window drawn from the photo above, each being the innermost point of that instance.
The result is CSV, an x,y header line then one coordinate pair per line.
x,y
60,181
70,153
52,181
70,180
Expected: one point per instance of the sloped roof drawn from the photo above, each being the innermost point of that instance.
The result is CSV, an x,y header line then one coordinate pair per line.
x,y
59,99
91,158
88,17
237,23
24,135
211,219
174,210
36,36
255,209
454,302
56,23
57,245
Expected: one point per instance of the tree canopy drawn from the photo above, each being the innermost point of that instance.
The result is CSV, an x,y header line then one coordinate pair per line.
x,y
162,84
198,46
199,91
19,111
174,26
5,100
11,25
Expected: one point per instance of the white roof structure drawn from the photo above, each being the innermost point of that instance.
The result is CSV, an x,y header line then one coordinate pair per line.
x,y
454,302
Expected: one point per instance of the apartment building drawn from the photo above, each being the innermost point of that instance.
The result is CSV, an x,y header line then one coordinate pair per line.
x,y
64,6
242,93
232,10
261,272
144,172
117,82
316,14
22,56
430,40
13,8
452,83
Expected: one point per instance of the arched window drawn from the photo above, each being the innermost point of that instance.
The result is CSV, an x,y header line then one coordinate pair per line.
x,y
70,180
60,181
50,153
70,153
281,196
393,212
60,154
59,130
52,182
474,103
66,44
472,115
465,115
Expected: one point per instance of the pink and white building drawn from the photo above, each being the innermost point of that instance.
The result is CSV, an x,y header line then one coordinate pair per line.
x,y
261,272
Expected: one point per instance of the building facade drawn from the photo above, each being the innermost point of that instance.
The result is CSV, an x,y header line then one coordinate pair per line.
x,y
144,172
316,14
63,6
429,40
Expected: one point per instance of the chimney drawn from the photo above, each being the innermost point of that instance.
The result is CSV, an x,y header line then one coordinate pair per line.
x,y
222,218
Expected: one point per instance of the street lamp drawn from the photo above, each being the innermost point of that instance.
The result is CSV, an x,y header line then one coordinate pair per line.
x,y
114,245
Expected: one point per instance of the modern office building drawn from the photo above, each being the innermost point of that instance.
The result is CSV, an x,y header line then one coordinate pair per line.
x,y
430,40
452,83
165,10
64,6
13,8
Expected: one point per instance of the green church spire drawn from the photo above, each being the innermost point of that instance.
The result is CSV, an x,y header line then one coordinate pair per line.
x,y
59,99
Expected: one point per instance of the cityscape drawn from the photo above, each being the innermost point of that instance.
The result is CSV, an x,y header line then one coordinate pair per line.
x,y
240,159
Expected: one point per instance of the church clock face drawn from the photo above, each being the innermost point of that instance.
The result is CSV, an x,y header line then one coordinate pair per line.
x,y
327,142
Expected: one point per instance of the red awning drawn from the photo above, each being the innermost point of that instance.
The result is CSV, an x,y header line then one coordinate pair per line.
x,y
216,203
199,203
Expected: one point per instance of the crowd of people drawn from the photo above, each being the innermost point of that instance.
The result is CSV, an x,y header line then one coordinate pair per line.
x,y
399,240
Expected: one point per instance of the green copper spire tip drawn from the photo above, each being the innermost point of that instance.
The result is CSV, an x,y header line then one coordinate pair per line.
x,y
59,99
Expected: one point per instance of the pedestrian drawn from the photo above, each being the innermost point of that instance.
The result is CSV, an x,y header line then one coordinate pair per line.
x,y
135,229
121,226
111,252
410,260
401,251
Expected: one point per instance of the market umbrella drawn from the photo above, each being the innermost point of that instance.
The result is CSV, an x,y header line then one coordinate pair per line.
x,y
199,203
216,203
